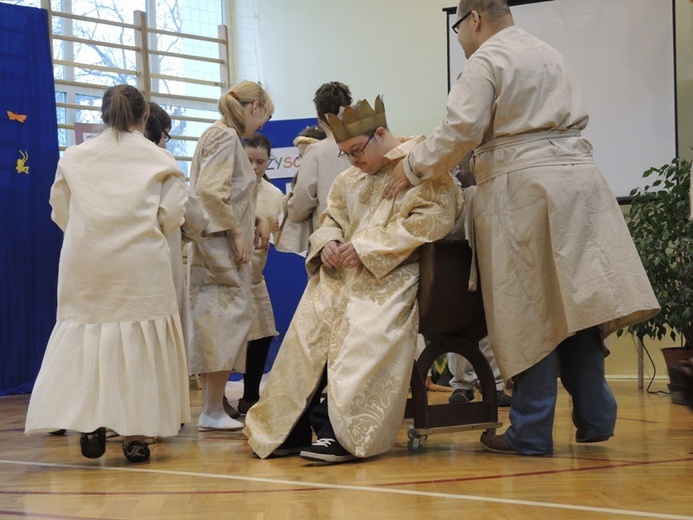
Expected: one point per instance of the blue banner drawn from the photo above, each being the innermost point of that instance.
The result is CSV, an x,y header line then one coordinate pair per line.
x,y
28,158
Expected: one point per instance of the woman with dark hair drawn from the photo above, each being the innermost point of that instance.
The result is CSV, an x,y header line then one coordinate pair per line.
x,y
116,357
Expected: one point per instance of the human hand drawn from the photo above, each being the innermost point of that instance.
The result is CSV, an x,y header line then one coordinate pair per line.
x,y
348,256
330,255
240,244
398,181
262,233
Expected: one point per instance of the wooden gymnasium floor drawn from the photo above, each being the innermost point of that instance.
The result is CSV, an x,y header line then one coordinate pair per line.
x,y
645,471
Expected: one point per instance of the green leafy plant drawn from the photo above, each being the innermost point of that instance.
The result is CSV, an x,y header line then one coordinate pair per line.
x,y
663,236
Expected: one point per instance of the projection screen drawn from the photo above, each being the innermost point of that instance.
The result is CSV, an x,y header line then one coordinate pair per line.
x,y
623,54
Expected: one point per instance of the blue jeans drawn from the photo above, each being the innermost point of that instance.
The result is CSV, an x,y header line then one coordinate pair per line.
x,y
579,361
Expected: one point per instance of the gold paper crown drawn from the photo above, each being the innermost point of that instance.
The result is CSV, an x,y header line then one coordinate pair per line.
x,y
357,119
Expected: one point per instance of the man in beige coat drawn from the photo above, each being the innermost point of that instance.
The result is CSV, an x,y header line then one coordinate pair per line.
x,y
321,162
558,267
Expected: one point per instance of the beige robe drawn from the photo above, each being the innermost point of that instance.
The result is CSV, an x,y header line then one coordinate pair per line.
x,y
269,205
116,357
220,294
195,222
361,323
320,165
555,255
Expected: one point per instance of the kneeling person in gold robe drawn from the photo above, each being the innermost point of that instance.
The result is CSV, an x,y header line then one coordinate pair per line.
x,y
356,325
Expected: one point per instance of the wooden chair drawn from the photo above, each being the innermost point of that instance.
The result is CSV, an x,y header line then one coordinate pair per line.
x,y
452,318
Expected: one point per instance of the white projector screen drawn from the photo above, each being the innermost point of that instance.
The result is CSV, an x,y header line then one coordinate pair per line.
x,y
622,52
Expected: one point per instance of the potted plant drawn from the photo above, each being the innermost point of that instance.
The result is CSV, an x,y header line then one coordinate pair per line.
x,y
663,235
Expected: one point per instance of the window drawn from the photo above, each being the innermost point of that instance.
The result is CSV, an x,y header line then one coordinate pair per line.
x,y
174,51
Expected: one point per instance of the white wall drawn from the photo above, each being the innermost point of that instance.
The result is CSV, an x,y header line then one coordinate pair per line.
x,y
684,63
393,47
398,47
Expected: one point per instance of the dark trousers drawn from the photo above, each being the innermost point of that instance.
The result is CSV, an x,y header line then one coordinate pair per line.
x,y
256,358
579,362
314,415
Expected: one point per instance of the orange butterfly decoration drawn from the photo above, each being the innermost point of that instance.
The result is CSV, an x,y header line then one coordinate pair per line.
x,y
16,117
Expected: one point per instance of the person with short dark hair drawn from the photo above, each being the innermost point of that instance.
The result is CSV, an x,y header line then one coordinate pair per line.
x,y
320,163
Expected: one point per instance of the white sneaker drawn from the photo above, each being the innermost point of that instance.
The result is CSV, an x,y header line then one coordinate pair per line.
x,y
223,422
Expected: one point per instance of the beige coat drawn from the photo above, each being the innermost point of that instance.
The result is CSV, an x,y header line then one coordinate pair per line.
x,y
555,255
220,290
195,222
319,167
269,205
361,323
116,356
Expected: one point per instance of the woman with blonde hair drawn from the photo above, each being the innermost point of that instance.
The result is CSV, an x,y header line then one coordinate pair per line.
x,y
116,357
219,261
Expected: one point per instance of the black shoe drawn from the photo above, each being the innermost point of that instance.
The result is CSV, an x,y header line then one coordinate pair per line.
x,y
136,451
584,439
58,432
245,405
461,396
327,451
230,410
93,444
503,399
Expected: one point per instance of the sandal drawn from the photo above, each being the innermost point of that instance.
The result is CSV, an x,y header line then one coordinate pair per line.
x,y
136,451
93,444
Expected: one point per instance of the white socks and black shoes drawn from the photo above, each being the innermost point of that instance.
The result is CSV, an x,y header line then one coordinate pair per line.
x,y
327,451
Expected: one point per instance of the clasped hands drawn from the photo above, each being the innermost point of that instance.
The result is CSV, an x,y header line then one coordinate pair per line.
x,y
260,240
335,255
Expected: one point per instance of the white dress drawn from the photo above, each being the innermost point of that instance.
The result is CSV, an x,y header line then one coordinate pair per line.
x,y
116,357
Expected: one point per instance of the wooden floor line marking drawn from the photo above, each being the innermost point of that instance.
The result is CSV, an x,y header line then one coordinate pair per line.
x,y
318,485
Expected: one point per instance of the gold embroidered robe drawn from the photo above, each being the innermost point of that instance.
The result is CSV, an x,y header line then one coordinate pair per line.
x,y
361,323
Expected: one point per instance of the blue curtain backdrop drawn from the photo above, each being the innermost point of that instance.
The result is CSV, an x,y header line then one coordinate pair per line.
x,y
30,244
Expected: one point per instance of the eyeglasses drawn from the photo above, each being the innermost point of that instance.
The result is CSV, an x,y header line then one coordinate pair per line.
x,y
167,137
356,153
456,25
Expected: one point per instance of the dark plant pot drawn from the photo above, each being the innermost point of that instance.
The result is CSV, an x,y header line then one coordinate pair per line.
x,y
672,355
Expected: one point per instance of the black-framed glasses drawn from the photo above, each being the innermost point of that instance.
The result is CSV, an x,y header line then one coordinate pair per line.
x,y
456,25
357,153
167,137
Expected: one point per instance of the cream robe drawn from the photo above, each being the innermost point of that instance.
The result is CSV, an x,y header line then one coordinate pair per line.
x,y
360,323
555,255
320,165
116,356
195,222
270,203
220,294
